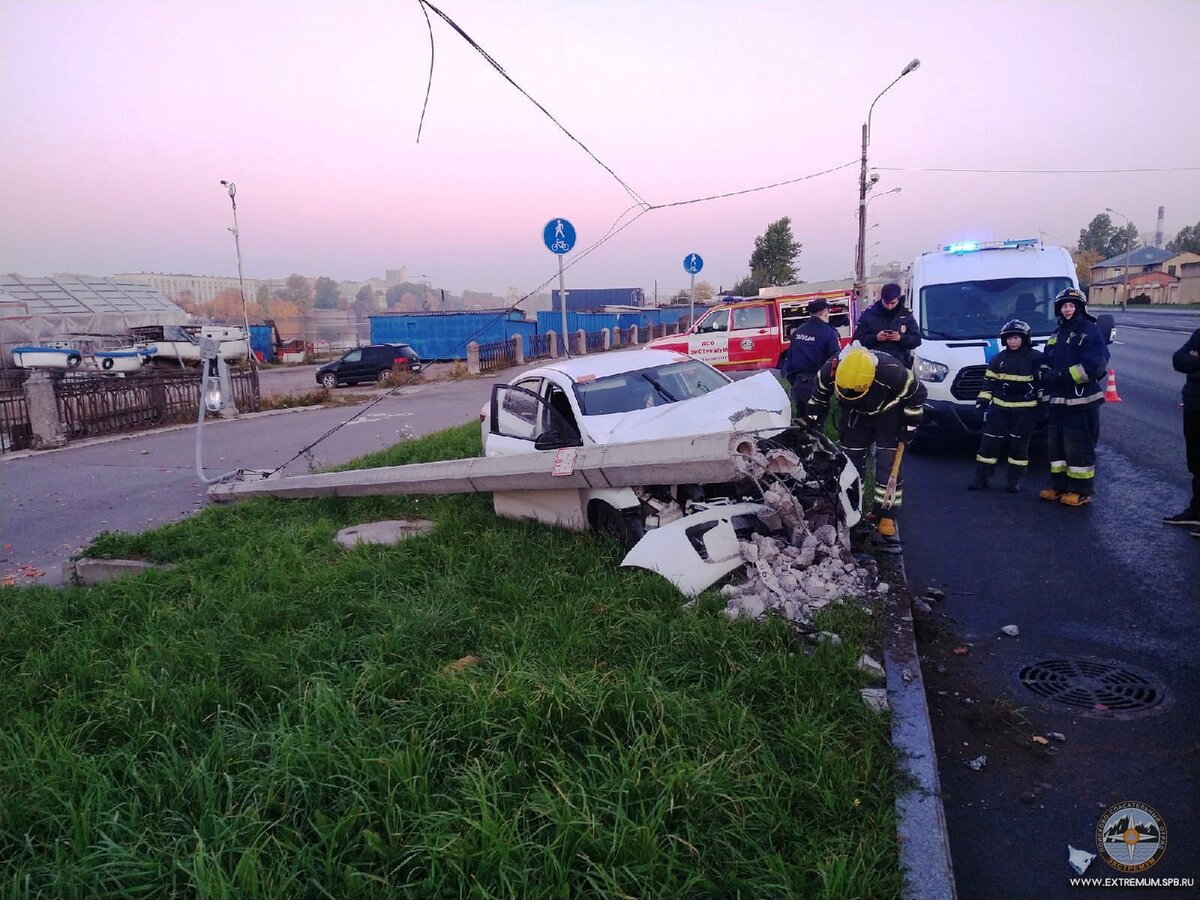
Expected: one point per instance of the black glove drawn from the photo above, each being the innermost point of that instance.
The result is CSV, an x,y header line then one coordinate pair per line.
x,y
1054,378
981,404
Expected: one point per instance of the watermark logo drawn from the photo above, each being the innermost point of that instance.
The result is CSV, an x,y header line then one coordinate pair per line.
x,y
1131,836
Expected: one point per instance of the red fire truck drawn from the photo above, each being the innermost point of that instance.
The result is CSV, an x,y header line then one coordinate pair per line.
x,y
753,332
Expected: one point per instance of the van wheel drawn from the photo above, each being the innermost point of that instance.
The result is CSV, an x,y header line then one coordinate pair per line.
x,y
107,363
329,381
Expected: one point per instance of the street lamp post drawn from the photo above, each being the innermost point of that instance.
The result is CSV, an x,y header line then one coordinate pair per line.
x,y
860,255
237,246
1128,247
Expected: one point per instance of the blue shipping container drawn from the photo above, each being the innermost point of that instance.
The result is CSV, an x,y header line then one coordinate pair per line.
x,y
597,298
590,322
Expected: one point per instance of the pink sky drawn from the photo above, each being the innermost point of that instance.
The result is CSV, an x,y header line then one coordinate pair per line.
x,y
118,120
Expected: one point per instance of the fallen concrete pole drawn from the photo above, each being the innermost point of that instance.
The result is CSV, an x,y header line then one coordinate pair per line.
x,y
701,459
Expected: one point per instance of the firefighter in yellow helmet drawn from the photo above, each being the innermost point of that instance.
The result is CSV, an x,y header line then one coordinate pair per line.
x,y
880,402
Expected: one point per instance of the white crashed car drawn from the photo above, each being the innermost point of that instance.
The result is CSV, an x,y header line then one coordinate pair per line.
x,y
632,396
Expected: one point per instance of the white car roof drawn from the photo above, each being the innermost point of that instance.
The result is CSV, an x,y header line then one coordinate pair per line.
x,y
600,365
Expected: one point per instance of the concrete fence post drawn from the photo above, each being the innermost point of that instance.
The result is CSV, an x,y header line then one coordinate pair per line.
x,y
605,339
44,421
473,358
616,337
518,350
552,344
633,335
581,342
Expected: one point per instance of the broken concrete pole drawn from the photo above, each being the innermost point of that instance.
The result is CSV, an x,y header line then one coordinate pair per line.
x,y
701,459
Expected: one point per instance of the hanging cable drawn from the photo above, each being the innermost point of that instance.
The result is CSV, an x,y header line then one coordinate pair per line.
x,y
1037,171
429,83
637,198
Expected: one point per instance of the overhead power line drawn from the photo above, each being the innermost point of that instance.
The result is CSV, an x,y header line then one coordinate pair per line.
x,y
1036,171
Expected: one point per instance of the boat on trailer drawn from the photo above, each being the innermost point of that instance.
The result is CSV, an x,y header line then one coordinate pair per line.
x,y
181,343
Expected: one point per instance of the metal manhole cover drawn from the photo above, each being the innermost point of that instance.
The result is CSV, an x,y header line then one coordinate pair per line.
x,y
1097,685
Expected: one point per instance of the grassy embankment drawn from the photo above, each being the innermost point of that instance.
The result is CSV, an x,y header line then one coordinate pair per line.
x,y
494,709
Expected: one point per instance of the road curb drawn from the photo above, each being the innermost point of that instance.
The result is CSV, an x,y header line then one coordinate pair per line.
x,y
924,842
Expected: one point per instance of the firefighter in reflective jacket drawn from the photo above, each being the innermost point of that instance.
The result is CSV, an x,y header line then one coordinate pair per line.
x,y
879,402
1073,378
1009,402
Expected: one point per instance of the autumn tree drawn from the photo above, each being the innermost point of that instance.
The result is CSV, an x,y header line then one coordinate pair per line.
x,y
300,292
187,302
326,294
1187,241
364,303
262,296
704,290
773,261
226,306
1084,260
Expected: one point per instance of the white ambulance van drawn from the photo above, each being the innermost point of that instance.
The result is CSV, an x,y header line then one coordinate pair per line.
x,y
961,296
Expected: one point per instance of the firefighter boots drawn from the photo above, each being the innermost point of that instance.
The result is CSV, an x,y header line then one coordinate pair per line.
x,y
1050,494
1073,499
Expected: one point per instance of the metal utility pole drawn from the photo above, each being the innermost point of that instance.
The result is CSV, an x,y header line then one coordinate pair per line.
x,y
1128,248
860,275
237,246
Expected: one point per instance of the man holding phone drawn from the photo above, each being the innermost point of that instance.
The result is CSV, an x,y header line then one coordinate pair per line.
x,y
889,327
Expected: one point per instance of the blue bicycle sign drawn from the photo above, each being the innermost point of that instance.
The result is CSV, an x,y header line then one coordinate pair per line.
x,y
692,263
559,236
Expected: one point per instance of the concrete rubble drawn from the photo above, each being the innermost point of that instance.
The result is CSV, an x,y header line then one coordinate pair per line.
x,y
803,563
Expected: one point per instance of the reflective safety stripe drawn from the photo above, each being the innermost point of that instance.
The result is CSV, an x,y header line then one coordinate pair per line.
x,y
1081,472
914,412
1015,404
1058,466
985,395
1077,401
1078,375
1004,376
1017,462
991,461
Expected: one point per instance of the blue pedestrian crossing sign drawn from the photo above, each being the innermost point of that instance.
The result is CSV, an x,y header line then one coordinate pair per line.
x,y
693,263
559,236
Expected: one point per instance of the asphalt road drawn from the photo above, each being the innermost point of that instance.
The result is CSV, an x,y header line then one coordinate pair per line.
x,y
1109,582
55,502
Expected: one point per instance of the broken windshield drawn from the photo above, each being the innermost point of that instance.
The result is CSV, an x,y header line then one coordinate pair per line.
x,y
979,309
647,388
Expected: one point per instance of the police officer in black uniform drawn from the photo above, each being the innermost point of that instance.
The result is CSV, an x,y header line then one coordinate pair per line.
x,y
887,326
811,344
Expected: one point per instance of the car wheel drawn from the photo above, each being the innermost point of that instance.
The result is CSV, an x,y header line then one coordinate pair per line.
x,y
383,375
74,360
627,528
329,381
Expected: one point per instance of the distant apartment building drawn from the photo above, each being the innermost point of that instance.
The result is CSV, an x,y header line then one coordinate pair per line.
x,y
203,287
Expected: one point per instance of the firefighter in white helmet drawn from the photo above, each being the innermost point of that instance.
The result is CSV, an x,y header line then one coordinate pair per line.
x,y
880,402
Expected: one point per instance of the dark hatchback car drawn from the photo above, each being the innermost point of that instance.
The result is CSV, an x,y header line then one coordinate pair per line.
x,y
371,363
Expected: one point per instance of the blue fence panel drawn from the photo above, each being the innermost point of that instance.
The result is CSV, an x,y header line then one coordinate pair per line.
x,y
446,335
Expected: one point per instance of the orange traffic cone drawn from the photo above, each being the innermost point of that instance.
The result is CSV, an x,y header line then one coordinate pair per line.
x,y
1110,389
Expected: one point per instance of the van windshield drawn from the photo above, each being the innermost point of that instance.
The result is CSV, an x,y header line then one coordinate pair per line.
x,y
979,309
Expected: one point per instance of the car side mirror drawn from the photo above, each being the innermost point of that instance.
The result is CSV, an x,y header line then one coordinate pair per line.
x,y
1106,323
555,440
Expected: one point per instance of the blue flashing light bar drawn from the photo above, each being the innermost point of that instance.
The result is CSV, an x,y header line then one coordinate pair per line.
x,y
972,246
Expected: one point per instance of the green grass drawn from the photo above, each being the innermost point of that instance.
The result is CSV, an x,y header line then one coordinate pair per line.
x,y
279,717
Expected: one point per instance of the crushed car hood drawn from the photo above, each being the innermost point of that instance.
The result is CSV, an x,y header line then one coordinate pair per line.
x,y
758,402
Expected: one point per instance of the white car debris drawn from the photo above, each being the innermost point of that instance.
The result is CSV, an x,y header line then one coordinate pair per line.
x,y
691,534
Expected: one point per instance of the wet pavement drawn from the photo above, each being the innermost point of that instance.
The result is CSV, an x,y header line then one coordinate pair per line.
x,y
1102,593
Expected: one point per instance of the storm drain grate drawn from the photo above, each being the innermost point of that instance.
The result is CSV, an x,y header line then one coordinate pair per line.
x,y
1094,684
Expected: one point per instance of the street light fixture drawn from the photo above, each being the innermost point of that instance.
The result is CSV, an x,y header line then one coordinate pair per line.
x,y
237,246
1128,248
860,253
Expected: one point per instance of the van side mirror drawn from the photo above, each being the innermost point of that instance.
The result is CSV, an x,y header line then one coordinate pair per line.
x,y
1106,324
